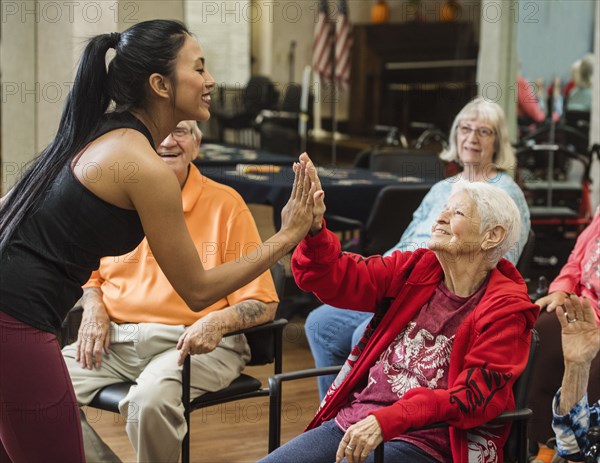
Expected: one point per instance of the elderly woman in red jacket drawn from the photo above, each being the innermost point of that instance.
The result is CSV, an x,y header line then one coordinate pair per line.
x,y
450,336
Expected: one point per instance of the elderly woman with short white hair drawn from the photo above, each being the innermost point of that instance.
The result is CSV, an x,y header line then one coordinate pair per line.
x,y
450,335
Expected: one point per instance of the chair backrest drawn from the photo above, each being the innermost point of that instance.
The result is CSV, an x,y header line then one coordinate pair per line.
x,y
363,158
291,98
261,342
260,93
561,133
569,191
521,386
578,119
515,449
392,212
526,256
276,138
409,163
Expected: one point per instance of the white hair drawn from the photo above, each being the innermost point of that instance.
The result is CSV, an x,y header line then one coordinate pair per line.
x,y
495,207
584,71
193,126
483,110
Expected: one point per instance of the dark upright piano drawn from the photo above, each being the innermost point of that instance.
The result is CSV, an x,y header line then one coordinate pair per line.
x,y
411,72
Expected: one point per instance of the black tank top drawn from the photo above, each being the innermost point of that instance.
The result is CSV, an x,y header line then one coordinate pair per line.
x,y
54,250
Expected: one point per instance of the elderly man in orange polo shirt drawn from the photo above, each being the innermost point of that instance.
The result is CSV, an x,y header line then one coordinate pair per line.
x,y
133,318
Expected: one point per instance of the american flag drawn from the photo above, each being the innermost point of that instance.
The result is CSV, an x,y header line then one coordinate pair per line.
x,y
343,45
322,62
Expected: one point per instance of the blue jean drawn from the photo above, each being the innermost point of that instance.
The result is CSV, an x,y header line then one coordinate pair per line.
x,y
319,445
331,334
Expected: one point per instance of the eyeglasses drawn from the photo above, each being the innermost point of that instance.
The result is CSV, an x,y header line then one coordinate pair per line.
x,y
481,132
180,133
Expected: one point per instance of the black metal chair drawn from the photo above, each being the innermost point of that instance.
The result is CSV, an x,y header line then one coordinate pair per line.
x,y
524,262
265,343
431,136
279,128
593,454
409,163
515,449
393,140
556,201
391,213
569,137
258,94
579,120
276,138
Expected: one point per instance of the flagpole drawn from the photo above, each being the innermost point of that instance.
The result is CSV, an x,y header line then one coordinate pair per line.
x,y
333,97
304,110
321,64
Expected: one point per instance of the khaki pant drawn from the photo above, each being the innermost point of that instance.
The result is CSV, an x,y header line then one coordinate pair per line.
x,y
145,353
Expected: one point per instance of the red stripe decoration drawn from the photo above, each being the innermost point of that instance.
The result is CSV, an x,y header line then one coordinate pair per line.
x,y
343,46
322,62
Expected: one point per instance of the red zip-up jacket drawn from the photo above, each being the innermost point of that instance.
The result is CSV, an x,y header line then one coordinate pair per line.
x,y
490,348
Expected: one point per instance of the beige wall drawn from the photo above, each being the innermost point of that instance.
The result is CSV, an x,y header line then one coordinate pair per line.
x,y
41,44
18,67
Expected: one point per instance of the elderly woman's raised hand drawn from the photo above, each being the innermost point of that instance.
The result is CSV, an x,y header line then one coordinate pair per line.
x,y
359,441
580,331
297,215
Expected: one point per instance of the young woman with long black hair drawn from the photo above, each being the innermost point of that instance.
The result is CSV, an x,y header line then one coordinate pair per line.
x,y
95,191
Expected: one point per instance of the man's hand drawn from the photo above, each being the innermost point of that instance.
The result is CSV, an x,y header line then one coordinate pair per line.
x,y
202,337
93,337
359,441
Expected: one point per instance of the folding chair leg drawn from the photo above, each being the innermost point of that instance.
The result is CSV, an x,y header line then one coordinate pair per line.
x,y
379,453
523,456
274,413
185,398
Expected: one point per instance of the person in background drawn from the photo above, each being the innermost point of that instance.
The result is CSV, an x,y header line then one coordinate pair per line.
x,y
579,276
479,142
570,85
529,109
573,415
133,319
450,334
97,190
580,98
540,94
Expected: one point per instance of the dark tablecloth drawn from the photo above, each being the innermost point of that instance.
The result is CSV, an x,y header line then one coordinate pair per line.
x,y
212,155
349,192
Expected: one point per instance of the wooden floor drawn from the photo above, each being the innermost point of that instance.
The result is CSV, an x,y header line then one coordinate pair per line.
x,y
235,432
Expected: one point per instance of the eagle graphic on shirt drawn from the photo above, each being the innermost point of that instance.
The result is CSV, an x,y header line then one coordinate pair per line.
x,y
416,358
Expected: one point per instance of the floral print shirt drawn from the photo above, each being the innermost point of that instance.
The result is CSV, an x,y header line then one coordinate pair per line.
x,y
571,429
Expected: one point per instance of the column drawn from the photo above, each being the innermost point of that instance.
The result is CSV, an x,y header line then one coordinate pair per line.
x,y
497,62
40,50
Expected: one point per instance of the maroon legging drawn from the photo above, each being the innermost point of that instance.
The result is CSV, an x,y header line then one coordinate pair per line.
x,y
547,377
39,416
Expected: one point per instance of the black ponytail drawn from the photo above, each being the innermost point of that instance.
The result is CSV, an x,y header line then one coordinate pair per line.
x,y
143,49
